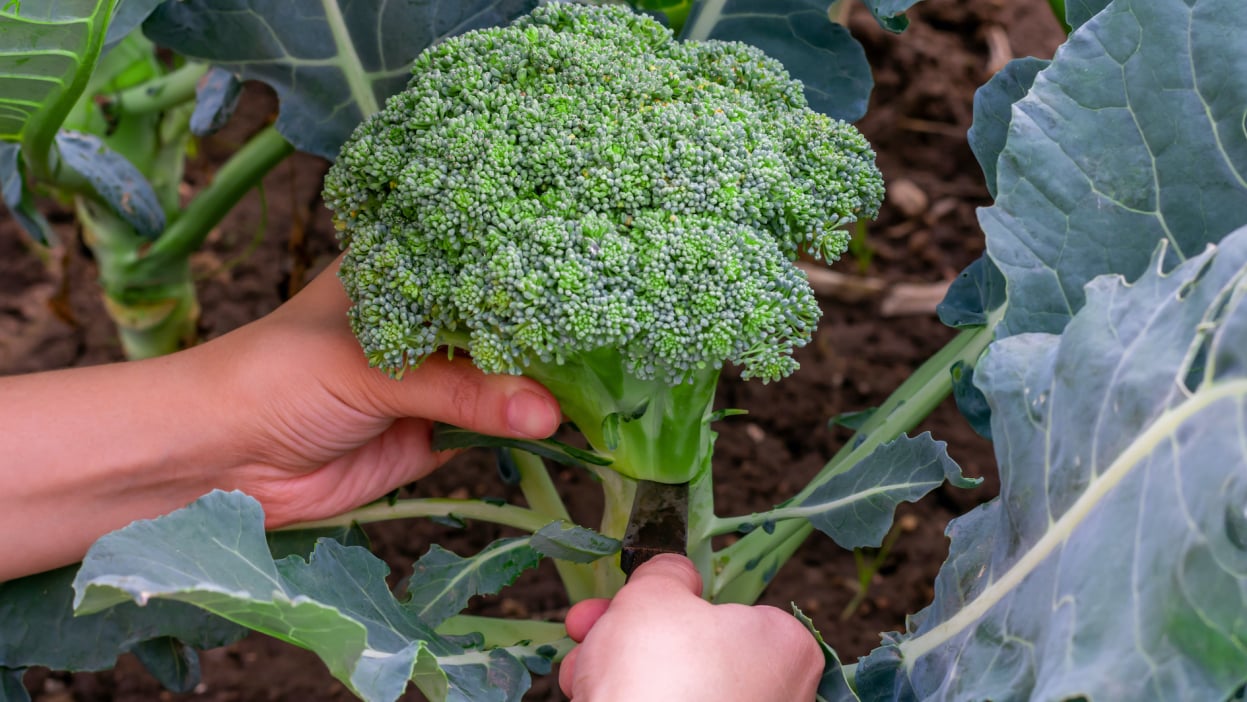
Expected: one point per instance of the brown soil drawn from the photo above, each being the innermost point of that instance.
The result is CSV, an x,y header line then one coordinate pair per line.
x,y
50,317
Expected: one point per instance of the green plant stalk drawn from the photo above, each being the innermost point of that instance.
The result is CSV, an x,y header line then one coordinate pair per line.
x,y
504,514
701,521
866,570
148,287
618,493
741,578
908,405
155,315
543,497
240,174
170,90
499,632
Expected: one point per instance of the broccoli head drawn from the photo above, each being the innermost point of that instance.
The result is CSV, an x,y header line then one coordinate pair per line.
x,y
580,198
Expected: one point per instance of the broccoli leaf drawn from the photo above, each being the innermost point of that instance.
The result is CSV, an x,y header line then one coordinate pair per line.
x,y
115,180
1078,12
570,542
50,51
213,555
1114,563
1132,136
798,33
891,13
128,15
441,582
993,107
216,98
855,508
41,630
332,63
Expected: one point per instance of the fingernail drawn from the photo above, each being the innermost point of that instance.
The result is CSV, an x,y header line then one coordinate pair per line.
x,y
530,414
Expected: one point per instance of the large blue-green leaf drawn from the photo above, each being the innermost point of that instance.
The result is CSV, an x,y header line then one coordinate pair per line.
x,y
1132,136
1114,564
128,15
332,62
815,50
993,112
1078,12
213,555
40,629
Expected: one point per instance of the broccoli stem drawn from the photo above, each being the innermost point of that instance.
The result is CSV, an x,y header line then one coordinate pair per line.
x,y
651,429
170,90
155,315
503,632
619,491
504,514
742,579
543,497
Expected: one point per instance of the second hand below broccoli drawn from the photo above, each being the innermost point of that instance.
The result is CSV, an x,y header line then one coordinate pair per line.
x,y
582,199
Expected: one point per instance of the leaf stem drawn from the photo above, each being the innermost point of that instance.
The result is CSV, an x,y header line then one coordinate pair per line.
x,y
908,405
242,172
504,514
158,94
618,494
500,632
543,498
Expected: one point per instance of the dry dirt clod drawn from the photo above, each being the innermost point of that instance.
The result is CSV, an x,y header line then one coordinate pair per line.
x,y
907,197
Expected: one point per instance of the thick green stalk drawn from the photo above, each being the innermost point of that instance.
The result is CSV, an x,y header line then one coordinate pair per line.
x,y
149,291
542,497
154,315
743,577
904,409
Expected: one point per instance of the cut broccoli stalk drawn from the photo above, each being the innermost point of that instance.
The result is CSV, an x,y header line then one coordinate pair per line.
x,y
651,430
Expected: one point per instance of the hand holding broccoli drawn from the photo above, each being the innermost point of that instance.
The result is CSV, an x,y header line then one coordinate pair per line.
x,y
581,199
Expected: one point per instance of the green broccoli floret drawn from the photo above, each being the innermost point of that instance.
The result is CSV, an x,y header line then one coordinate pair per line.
x,y
579,198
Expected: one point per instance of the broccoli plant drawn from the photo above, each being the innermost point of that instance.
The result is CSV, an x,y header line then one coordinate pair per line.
x,y
583,199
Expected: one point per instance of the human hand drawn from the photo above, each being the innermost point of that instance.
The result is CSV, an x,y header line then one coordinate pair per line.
x,y
324,432
657,640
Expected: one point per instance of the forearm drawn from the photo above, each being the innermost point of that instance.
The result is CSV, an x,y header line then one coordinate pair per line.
x,y
86,451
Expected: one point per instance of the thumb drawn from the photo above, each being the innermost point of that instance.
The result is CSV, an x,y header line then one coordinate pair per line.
x,y
443,390
667,571
457,392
